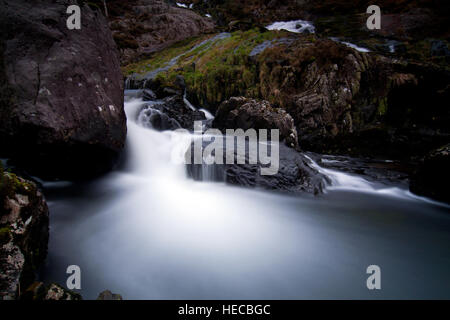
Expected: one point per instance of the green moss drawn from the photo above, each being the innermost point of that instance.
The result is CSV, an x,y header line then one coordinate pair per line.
x,y
10,184
5,235
224,70
382,106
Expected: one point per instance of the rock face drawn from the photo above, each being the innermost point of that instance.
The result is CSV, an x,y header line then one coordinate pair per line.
x,y
431,178
146,26
243,113
23,233
61,97
345,101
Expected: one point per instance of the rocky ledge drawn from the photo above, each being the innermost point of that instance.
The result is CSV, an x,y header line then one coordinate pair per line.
x,y
433,174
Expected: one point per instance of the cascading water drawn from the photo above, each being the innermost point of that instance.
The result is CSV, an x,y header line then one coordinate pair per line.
x,y
146,231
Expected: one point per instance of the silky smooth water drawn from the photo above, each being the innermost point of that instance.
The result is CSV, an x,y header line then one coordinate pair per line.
x,y
146,231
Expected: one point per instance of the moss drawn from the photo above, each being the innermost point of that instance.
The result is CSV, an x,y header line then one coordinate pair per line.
x,y
161,58
5,235
224,70
382,106
10,185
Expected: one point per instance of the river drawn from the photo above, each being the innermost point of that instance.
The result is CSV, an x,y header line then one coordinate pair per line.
x,y
147,231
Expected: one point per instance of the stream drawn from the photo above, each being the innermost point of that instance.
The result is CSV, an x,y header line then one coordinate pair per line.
x,y
147,231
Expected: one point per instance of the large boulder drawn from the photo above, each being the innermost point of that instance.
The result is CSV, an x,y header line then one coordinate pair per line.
x,y
244,113
432,177
294,173
23,233
61,90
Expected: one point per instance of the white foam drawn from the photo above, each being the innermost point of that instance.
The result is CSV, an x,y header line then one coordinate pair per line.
x,y
296,26
351,45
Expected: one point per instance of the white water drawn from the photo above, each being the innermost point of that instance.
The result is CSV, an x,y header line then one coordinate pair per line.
x,y
148,232
351,45
296,26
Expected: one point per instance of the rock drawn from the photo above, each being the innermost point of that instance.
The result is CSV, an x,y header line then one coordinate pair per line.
x,y
146,26
439,48
148,95
61,97
23,233
108,295
152,117
169,114
294,173
39,292
243,113
432,177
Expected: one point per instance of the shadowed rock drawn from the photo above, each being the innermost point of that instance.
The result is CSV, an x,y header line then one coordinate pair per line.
x,y
432,177
61,91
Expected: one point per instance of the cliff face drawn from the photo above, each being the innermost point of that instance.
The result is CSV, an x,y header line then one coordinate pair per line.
x,y
61,91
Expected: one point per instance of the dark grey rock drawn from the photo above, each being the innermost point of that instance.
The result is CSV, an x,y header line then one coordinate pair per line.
x,y
432,177
172,113
61,91
294,173
108,295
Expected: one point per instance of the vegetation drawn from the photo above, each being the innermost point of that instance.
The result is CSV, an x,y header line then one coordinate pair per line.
x,y
10,185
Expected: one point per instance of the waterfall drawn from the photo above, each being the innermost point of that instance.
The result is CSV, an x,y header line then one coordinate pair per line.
x,y
147,231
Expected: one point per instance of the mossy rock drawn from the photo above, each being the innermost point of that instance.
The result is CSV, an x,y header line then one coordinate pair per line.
x,y
5,235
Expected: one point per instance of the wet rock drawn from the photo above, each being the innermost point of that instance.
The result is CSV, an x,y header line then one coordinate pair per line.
x,y
23,233
244,113
152,117
148,95
61,97
171,113
293,174
108,295
387,172
432,176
